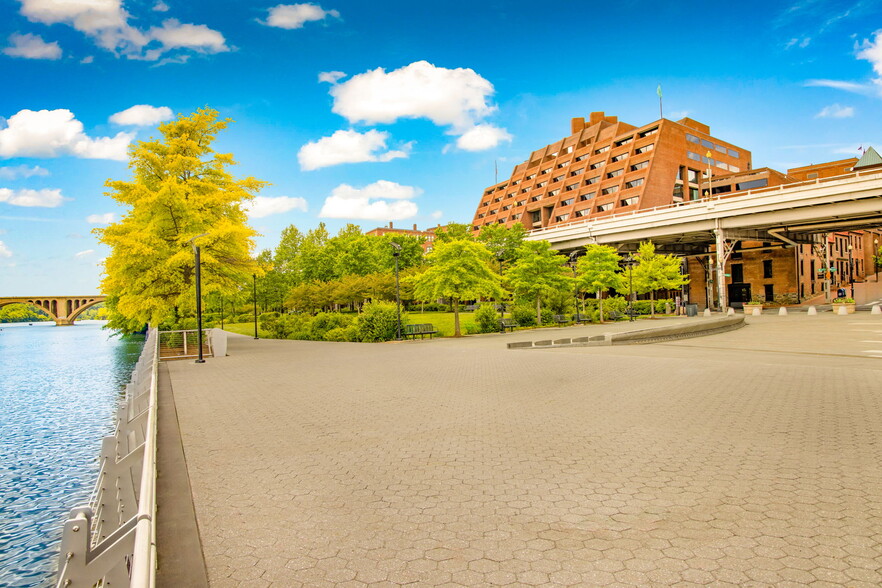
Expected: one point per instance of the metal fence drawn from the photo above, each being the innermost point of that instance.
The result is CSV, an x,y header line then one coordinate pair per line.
x,y
184,344
111,541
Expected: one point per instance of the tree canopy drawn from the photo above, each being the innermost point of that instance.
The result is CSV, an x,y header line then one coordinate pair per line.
x,y
656,271
180,189
538,272
598,270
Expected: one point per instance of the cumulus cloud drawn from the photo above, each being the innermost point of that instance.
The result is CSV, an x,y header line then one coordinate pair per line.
x,y
160,7
51,133
45,198
836,111
481,137
331,77
872,51
107,24
347,147
380,201
142,115
868,50
84,253
21,171
448,97
101,219
262,206
4,250
31,47
294,16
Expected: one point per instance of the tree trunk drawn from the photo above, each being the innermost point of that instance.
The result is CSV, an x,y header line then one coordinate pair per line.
x,y
600,304
456,332
538,310
652,303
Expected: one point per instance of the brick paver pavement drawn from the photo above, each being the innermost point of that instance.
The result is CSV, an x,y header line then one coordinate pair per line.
x,y
462,463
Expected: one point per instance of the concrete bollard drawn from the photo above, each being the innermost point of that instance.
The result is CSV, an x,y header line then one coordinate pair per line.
x,y
667,308
730,312
782,311
812,311
707,312
876,309
842,311
757,312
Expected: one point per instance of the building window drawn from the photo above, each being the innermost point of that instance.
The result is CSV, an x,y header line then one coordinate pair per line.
x,y
566,202
515,183
583,157
554,192
515,217
634,183
497,199
583,212
481,215
605,207
568,149
597,165
767,268
629,201
693,175
614,173
510,195
494,211
485,203
536,216
721,149
524,190
678,192
488,192
721,189
693,193
587,196
624,141
693,156
572,187
644,149
619,157
561,218
557,178
691,138
563,164
769,292
577,172
531,176
733,153
541,184
536,198
737,273
601,150
593,180
520,202
609,190
706,143
640,165
752,184
651,131
545,171
812,176
506,207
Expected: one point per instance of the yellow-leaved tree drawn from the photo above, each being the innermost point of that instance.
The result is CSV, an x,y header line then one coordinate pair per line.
x,y
180,189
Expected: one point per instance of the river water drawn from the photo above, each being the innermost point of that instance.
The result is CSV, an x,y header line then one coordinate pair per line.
x,y
59,388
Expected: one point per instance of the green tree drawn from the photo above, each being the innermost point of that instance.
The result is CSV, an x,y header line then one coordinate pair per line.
x,y
538,271
503,242
410,255
180,189
352,252
453,232
656,271
286,256
599,270
459,270
316,261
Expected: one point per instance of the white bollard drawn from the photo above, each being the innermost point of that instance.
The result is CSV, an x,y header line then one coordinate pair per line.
x,y
730,312
757,312
782,311
812,311
842,311
707,312
876,309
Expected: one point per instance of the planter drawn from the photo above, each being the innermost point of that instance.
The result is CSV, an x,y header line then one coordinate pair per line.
x,y
849,307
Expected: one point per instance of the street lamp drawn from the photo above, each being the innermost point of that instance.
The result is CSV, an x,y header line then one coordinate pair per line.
x,y
850,268
254,298
629,263
876,258
396,251
573,263
198,296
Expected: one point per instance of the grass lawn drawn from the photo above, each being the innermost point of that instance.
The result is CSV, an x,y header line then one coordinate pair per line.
x,y
246,329
443,321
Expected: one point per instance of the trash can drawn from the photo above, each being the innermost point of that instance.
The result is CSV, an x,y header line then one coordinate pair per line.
x,y
691,310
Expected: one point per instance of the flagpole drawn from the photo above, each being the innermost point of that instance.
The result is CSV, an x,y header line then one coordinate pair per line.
x,y
659,92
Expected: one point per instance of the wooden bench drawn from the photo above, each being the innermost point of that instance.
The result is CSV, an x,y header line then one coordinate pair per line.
x,y
560,319
507,323
421,329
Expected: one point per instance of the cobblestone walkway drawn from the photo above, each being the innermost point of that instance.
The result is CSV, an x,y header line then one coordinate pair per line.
x,y
750,458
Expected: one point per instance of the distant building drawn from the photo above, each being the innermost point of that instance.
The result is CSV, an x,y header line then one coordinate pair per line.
x,y
428,235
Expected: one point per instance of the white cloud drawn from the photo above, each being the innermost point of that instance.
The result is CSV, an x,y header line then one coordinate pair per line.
x,y
797,42
347,147
101,219
45,198
382,200
31,47
836,111
841,85
22,171
142,115
107,23
448,97
51,133
481,137
262,206
4,250
872,52
87,59
331,77
437,214
294,16
160,7
174,35
84,253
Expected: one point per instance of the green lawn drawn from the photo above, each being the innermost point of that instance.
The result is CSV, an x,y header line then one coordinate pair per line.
x,y
245,329
443,321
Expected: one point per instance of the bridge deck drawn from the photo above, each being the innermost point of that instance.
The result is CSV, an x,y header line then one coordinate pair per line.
x,y
745,457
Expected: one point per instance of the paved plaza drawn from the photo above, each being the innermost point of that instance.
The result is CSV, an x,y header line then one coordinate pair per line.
x,y
748,458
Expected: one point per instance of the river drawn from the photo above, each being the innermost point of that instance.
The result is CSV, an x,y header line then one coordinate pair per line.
x,y
59,388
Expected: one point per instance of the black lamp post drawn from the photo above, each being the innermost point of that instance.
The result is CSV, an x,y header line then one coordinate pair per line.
x,y
876,258
630,262
254,298
850,269
396,251
573,263
200,359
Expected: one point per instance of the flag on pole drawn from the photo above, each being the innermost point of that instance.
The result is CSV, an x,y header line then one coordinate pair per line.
x,y
658,91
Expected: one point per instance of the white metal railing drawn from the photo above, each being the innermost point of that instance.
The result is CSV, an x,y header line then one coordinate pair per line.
x,y
184,344
111,541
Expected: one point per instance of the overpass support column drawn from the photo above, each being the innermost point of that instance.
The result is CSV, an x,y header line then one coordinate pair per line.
x,y
724,249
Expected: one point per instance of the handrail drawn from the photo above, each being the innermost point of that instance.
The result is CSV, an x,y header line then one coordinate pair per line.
x,y
112,540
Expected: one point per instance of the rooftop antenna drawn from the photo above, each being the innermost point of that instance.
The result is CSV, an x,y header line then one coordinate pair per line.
x,y
495,173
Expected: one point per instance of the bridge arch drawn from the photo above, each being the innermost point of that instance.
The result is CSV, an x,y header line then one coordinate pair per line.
x,y
64,310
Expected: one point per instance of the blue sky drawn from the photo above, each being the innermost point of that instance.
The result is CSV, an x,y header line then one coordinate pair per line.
x,y
368,112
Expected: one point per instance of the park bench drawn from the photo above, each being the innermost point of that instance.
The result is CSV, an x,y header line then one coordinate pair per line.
x,y
421,329
560,319
581,318
614,316
507,323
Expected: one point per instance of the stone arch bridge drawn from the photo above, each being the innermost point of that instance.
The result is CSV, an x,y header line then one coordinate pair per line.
x,y
64,310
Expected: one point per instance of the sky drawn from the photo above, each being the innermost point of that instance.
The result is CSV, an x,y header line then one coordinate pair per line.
x,y
371,112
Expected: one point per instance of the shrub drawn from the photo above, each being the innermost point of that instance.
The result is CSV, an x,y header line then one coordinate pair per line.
x,y
378,322
348,333
524,315
429,307
486,318
326,321
473,329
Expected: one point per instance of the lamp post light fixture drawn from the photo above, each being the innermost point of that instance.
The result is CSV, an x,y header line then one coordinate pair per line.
x,y
630,262
396,251
198,263
254,299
